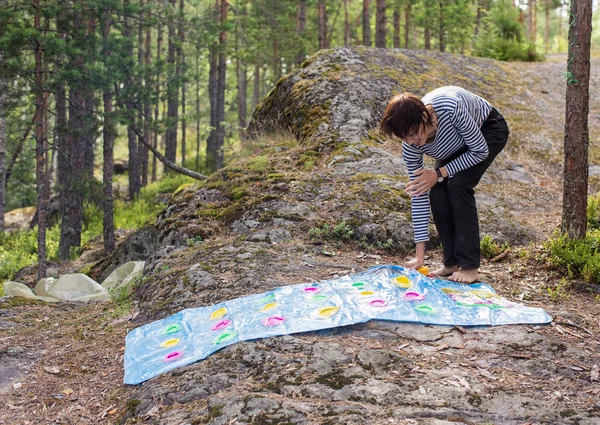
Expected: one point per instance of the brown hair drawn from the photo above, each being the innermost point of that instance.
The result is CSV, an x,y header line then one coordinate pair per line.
x,y
405,114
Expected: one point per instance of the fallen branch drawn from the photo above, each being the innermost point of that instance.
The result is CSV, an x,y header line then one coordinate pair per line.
x,y
171,165
500,256
569,323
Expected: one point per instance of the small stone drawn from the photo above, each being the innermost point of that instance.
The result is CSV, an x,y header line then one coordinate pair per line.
x,y
595,373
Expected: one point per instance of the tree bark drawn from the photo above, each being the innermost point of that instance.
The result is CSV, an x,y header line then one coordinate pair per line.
x,y
147,106
396,28
132,111
256,87
442,27
181,78
198,110
211,142
108,133
407,25
221,85
242,84
300,28
347,40
39,145
72,208
380,24
322,24
172,94
3,101
90,108
366,24
159,39
574,217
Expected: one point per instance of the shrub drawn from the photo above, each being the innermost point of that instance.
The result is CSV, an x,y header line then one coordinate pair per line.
x,y
576,257
593,211
490,248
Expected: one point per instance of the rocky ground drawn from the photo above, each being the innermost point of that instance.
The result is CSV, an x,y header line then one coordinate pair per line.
x,y
247,230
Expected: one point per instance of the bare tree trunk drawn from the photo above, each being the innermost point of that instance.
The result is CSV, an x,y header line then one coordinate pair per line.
x,y
242,84
129,102
3,101
72,208
407,25
322,24
159,39
546,30
147,106
380,24
300,27
574,217
172,96
366,23
90,135
347,40
560,24
211,147
197,110
181,77
108,224
396,28
256,86
221,85
442,27
39,146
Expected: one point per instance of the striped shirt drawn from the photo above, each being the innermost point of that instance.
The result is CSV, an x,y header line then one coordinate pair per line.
x,y
460,115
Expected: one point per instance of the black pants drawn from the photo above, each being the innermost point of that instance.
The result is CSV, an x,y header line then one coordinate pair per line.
x,y
453,201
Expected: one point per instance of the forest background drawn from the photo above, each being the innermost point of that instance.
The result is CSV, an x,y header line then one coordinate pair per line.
x,y
170,85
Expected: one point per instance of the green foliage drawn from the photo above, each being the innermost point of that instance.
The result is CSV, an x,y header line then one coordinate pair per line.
x,y
19,249
490,248
341,232
558,292
501,36
593,211
576,257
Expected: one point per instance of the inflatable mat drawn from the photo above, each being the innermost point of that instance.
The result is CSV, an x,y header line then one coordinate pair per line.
x,y
382,293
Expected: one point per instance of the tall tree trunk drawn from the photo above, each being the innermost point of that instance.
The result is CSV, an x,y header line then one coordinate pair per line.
x,y
217,74
574,217
478,16
300,27
560,24
546,30
366,24
198,109
211,142
380,24
531,18
242,83
89,102
108,224
60,126
407,25
442,27
147,105
256,87
72,214
322,24
172,94
140,83
159,39
39,146
221,85
181,77
129,101
3,101
347,40
396,28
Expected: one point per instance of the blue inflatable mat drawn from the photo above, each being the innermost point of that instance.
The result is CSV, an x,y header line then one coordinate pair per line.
x,y
383,293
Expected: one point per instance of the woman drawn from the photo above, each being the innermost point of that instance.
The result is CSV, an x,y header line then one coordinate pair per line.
x,y
464,134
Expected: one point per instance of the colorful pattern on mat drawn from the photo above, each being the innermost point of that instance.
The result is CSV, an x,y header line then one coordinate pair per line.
x,y
384,293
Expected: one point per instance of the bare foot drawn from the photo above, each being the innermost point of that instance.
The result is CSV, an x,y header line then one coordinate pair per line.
x,y
465,276
444,271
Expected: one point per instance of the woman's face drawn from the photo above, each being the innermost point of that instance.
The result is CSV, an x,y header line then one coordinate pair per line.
x,y
418,138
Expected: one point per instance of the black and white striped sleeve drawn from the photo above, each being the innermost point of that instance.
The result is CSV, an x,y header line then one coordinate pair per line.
x,y
473,138
413,159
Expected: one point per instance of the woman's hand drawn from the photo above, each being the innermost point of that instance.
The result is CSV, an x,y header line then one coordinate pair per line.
x,y
424,181
415,263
